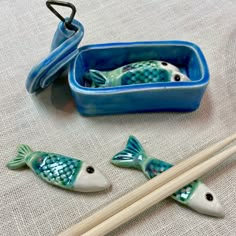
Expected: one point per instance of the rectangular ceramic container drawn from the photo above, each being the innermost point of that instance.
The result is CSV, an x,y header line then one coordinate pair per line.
x,y
166,96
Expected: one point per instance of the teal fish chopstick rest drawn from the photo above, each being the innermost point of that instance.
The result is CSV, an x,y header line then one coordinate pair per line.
x,y
59,170
149,71
195,195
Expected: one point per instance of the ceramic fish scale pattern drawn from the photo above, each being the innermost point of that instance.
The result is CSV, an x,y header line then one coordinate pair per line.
x,y
58,169
145,72
155,167
185,192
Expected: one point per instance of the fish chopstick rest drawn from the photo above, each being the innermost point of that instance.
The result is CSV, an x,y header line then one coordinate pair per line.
x,y
195,195
59,170
136,73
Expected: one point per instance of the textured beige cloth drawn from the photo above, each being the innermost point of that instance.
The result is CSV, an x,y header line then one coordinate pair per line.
x,y
49,121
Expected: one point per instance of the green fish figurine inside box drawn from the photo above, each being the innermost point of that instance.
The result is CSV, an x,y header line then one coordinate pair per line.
x,y
136,73
62,171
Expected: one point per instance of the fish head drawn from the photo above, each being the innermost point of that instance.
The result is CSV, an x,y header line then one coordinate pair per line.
x,y
167,66
204,201
179,77
90,179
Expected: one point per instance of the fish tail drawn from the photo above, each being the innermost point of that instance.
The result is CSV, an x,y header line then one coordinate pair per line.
x,y
19,161
132,156
96,77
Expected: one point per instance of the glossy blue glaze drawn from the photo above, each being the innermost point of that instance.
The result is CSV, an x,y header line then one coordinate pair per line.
x,y
63,50
167,96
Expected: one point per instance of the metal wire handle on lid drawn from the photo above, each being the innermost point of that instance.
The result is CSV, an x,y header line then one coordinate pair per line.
x,y
67,21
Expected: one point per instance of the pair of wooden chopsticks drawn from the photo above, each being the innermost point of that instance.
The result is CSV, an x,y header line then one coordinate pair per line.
x,y
152,192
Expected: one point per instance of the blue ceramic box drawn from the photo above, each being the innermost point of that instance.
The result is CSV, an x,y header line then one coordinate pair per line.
x,y
166,96
146,97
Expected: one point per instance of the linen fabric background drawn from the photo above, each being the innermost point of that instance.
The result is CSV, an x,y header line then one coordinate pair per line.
x,y
49,121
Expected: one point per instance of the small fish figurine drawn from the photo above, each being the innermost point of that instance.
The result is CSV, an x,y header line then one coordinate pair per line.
x,y
59,170
136,73
195,195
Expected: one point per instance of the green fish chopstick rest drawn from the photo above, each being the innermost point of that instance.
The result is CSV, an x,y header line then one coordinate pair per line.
x,y
59,170
136,73
195,195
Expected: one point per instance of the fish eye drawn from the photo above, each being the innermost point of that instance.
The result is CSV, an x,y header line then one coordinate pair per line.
x,y
177,77
90,169
209,197
164,63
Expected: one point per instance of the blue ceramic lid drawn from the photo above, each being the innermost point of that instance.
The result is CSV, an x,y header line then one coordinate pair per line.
x,y
63,50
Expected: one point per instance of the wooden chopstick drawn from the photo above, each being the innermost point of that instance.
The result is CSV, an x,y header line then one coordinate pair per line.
x,y
138,193
159,194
